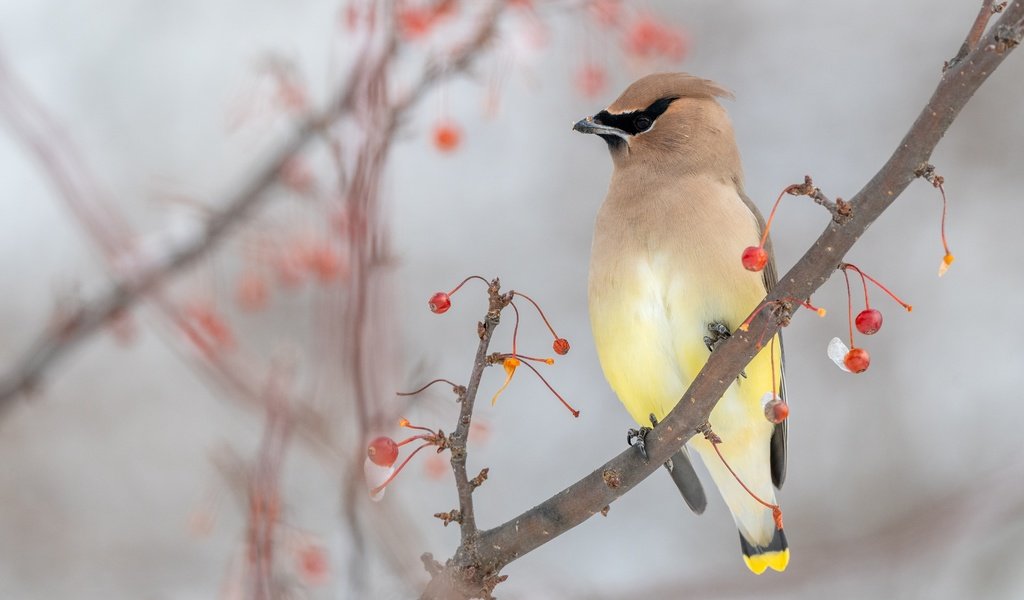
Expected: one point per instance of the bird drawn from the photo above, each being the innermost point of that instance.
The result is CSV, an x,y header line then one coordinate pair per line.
x,y
667,284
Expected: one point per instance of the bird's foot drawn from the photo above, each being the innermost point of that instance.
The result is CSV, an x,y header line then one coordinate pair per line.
x,y
719,332
637,438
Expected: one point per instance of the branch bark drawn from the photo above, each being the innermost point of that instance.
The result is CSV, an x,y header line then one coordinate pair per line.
x,y
505,543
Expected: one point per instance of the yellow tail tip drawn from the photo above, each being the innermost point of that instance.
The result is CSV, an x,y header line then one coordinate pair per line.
x,y
774,555
759,563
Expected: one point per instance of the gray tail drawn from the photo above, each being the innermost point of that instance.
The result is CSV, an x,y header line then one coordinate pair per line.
x,y
685,478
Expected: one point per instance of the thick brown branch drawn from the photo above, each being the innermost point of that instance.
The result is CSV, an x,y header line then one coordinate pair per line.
x,y
988,8
577,503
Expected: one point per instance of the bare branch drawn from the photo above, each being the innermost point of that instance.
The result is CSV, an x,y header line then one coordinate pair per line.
x,y
496,302
977,30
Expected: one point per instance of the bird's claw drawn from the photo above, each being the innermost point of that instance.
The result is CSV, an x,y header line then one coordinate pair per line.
x,y
638,439
719,333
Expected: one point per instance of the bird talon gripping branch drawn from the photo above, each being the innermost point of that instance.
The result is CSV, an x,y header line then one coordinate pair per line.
x,y
719,332
637,438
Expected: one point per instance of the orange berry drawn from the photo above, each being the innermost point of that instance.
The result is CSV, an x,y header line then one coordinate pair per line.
x,y
857,360
447,136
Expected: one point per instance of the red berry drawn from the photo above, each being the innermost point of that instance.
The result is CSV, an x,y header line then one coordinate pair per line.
x,y
869,321
776,411
382,451
754,258
561,346
857,360
447,136
440,303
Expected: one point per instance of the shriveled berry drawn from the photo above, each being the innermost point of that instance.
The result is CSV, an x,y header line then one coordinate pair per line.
x,y
857,360
382,451
869,321
754,258
776,410
561,346
440,303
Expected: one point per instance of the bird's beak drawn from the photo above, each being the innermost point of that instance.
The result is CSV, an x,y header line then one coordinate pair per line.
x,y
588,125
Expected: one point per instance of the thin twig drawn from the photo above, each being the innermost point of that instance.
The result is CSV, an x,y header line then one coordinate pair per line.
x,y
840,209
458,439
468,549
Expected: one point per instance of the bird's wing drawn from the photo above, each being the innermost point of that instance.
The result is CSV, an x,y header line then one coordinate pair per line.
x,y
779,434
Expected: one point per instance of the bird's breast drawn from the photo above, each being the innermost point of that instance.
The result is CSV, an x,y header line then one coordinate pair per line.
x,y
661,270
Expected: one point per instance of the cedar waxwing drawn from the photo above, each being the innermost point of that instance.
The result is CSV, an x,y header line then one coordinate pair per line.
x,y
667,282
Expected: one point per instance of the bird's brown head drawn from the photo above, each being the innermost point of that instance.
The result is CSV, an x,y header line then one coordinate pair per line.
x,y
667,118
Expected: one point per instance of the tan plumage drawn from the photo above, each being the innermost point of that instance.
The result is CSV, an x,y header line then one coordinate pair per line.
x,y
665,263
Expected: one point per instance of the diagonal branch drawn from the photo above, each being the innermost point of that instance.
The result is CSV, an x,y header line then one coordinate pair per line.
x,y
988,8
580,501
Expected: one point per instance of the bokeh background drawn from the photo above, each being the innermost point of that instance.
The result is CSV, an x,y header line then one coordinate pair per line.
x,y
904,482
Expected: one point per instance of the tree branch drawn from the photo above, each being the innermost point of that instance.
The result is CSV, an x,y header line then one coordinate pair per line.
x,y
498,547
496,302
988,8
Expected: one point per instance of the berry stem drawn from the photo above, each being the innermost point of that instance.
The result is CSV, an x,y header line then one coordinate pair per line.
x,y
906,306
405,423
408,440
413,393
864,284
539,310
547,361
948,258
849,304
776,510
458,287
574,412
771,215
515,327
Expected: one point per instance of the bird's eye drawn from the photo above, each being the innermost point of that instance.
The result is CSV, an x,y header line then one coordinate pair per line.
x,y
642,123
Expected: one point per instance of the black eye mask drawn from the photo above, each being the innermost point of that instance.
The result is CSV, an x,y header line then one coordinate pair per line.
x,y
635,122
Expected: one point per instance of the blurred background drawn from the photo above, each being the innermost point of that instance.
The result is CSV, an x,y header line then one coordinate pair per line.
x,y
145,462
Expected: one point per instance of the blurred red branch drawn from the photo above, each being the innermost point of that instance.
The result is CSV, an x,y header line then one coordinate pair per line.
x,y
124,293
